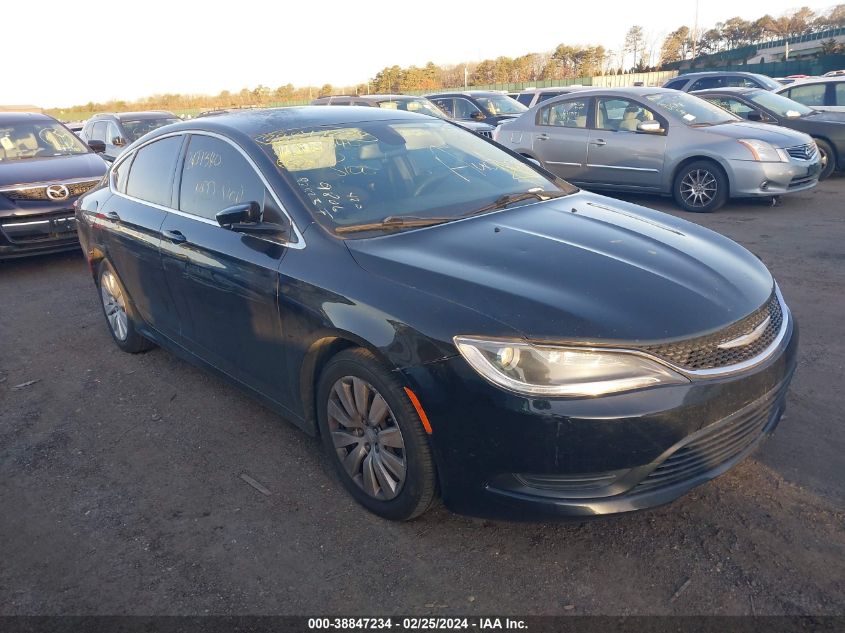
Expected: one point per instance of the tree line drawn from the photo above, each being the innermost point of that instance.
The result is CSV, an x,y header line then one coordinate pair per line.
x,y
641,51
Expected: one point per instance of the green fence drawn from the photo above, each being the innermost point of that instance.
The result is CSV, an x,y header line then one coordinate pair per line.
x,y
817,66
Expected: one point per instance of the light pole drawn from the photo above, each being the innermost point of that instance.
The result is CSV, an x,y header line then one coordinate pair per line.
x,y
466,76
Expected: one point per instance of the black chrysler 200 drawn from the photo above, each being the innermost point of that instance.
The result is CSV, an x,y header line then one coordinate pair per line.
x,y
448,317
44,168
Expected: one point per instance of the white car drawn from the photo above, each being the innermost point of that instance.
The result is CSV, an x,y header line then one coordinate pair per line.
x,y
821,93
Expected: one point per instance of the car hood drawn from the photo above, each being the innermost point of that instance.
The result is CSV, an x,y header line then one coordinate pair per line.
x,y
583,267
820,116
778,136
53,169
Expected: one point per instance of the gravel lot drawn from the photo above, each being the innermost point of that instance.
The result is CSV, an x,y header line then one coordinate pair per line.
x,y
121,488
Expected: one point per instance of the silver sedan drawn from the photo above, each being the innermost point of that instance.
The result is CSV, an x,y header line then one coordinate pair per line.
x,y
662,141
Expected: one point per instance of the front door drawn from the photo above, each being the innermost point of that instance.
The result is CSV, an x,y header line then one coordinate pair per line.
x,y
226,284
560,138
618,154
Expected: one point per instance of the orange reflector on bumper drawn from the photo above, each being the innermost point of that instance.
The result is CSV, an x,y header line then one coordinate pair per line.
x,y
423,417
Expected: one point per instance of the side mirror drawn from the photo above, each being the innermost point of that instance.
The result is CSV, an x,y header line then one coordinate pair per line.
x,y
249,212
97,146
649,127
118,141
478,115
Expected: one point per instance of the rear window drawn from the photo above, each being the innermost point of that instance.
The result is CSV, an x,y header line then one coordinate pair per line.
x,y
151,174
810,95
676,84
135,129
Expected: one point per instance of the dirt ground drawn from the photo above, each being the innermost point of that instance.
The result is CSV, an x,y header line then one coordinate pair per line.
x,y
121,488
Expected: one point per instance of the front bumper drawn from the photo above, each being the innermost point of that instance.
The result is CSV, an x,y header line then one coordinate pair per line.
x,y
45,231
500,454
753,178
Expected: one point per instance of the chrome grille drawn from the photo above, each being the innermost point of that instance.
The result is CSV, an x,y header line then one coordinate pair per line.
x,y
803,152
704,352
719,444
487,133
39,192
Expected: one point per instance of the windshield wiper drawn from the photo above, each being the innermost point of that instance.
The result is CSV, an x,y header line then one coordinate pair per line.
x,y
394,222
411,221
503,201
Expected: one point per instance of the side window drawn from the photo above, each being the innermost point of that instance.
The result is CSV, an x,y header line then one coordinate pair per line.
x,y
622,115
812,95
566,114
732,105
112,133
446,105
98,131
525,98
341,102
121,174
464,109
839,94
151,174
740,82
216,176
708,83
677,84
547,95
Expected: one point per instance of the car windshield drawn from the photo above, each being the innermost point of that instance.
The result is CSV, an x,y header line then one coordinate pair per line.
x,y
135,129
39,139
780,105
692,110
500,104
423,106
366,172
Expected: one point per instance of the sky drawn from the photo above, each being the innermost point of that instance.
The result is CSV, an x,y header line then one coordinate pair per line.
x,y
99,50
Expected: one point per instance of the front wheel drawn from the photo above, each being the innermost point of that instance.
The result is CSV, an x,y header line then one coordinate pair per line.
x,y
827,158
701,187
374,437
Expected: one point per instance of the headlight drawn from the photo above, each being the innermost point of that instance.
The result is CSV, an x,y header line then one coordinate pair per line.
x,y
763,151
562,371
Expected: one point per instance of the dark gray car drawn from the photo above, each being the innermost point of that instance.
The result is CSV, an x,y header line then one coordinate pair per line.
x,y
665,142
710,80
117,130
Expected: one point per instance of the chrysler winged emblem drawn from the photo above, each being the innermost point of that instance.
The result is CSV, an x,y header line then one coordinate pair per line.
x,y
746,339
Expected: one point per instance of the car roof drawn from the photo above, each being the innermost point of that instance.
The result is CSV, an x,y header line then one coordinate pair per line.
x,y
736,90
23,117
715,73
634,91
265,120
465,93
816,80
549,89
146,114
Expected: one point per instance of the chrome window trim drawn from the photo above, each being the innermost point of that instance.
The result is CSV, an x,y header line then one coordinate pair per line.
x,y
47,183
300,240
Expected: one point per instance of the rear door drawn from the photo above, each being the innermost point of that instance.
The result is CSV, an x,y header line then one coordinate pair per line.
x,y
131,220
619,155
560,138
226,283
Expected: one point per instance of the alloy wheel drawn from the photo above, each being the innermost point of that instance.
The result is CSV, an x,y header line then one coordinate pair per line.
x,y
366,437
699,188
114,304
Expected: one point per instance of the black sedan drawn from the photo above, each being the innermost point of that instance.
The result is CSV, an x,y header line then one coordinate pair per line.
x,y
753,104
44,168
448,317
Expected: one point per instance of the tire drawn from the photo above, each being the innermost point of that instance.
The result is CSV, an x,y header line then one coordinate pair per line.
x,y
828,158
713,191
119,312
392,482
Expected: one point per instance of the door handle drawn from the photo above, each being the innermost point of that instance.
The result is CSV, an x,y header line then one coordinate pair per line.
x,y
174,236
543,137
111,215
599,142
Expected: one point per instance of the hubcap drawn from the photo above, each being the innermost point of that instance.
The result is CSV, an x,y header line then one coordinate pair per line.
x,y
367,438
115,305
823,158
698,188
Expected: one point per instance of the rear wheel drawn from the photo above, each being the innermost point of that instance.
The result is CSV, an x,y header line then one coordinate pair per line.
x,y
374,437
119,313
701,187
827,157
